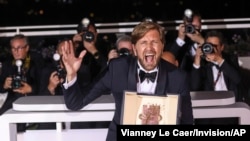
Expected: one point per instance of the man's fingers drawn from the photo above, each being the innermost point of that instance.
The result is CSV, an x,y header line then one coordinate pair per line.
x,y
71,48
82,54
64,49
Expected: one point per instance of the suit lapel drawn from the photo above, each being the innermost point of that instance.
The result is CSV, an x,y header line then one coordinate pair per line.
x,y
210,77
132,75
162,79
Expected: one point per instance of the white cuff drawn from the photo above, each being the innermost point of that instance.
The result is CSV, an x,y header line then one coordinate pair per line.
x,y
196,66
180,42
67,84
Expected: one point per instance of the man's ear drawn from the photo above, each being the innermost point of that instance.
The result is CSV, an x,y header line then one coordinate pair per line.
x,y
222,47
28,47
134,50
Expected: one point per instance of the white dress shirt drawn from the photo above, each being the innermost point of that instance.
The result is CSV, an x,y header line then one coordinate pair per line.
x,y
220,85
146,87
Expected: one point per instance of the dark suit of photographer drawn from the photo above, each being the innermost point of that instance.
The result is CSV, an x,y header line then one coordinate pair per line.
x,y
31,65
87,35
187,41
220,73
94,64
53,75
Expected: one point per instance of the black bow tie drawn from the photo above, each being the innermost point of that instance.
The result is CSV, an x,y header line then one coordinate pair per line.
x,y
217,66
149,76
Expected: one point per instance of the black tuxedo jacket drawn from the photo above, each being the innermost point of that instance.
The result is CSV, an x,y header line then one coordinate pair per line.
x,y
122,75
203,79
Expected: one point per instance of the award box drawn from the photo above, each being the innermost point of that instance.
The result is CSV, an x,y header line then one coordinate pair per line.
x,y
145,109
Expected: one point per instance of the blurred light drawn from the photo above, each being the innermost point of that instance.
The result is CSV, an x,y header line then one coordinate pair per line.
x,y
226,4
105,37
30,12
181,2
3,1
41,12
157,4
132,16
91,14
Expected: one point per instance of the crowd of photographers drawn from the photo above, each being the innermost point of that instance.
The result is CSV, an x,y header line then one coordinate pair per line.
x,y
26,72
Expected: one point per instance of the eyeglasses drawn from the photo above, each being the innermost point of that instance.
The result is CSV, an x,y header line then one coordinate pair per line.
x,y
18,48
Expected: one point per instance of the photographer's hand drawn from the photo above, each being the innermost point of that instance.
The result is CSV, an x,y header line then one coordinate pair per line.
x,y
53,82
90,47
25,89
77,39
112,54
7,83
71,63
197,58
214,58
196,37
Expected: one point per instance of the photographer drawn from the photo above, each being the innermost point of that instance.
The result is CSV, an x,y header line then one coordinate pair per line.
x,y
53,74
123,47
95,62
88,38
24,66
219,73
189,38
97,48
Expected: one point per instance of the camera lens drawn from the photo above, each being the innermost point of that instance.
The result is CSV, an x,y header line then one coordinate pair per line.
x,y
189,28
123,52
207,48
88,36
16,82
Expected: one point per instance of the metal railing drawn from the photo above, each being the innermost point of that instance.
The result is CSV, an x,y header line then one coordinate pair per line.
x,y
120,27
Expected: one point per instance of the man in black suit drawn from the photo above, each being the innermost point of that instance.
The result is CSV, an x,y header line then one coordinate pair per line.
x,y
123,74
30,65
187,42
221,72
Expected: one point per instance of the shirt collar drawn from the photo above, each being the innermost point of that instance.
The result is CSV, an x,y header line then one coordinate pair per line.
x,y
141,68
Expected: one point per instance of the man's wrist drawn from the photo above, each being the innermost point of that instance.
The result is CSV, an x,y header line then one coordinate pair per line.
x,y
96,55
51,90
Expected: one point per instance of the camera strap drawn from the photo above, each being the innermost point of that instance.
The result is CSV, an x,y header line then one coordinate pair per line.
x,y
217,78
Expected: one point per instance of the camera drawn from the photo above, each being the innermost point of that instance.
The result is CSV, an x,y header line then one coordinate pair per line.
x,y
16,81
188,15
123,52
189,28
61,73
207,48
17,78
83,27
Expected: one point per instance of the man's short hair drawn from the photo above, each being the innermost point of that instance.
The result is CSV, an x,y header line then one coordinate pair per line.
x,y
124,37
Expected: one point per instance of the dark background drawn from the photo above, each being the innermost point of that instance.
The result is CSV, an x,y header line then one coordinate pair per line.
x,y
60,12
54,12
